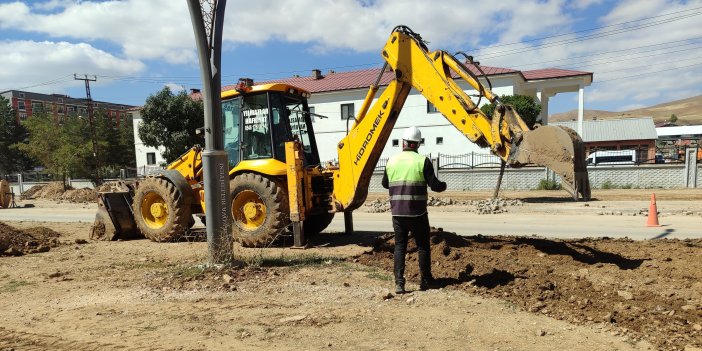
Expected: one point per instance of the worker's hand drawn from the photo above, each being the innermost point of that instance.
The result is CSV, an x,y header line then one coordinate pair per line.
x,y
440,188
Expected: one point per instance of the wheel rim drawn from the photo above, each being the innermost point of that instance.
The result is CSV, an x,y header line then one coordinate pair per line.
x,y
248,210
154,210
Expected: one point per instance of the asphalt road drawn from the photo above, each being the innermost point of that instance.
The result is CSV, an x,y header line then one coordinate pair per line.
x,y
541,224
547,225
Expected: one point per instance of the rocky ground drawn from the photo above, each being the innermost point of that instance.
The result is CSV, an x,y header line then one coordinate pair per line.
x,y
495,293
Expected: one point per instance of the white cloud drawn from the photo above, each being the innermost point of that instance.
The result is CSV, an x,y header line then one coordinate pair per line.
x,y
160,30
583,4
631,107
144,29
45,61
176,88
632,77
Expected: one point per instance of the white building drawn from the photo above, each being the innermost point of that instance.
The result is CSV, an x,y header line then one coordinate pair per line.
x,y
339,94
147,157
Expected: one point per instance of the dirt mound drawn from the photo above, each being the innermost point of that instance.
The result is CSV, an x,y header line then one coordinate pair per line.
x,y
79,195
117,186
655,294
31,192
16,242
55,191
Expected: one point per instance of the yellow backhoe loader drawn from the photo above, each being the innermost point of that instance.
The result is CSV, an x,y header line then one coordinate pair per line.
x,y
276,179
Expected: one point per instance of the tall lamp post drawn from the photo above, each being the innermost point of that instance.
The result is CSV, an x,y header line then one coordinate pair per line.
x,y
207,26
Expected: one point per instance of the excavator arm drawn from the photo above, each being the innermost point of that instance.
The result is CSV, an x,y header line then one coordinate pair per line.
x,y
431,73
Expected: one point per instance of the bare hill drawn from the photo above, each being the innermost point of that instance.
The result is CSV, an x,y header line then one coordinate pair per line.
x,y
689,111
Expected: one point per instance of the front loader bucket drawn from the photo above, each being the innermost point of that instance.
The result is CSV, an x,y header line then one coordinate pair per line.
x,y
560,149
114,219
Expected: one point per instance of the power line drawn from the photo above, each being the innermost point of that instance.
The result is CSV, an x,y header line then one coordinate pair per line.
x,y
687,43
584,30
48,82
649,73
588,37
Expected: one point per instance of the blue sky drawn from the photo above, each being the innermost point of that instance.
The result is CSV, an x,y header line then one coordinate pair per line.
x,y
641,52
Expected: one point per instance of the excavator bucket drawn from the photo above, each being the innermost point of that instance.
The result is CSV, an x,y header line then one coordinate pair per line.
x,y
114,219
560,149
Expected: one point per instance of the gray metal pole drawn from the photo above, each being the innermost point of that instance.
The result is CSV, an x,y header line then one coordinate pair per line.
x,y
214,159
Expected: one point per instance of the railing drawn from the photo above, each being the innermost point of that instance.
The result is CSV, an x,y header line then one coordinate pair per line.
x,y
600,157
469,160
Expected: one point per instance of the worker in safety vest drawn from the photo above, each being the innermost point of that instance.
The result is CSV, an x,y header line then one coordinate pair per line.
x,y
407,175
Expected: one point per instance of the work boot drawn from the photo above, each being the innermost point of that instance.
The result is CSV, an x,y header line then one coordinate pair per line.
x,y
400,288
427,283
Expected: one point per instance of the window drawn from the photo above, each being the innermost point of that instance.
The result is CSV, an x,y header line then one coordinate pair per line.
x,y
256,137
71,110
20,105
21,95
395,142
60,109
439,140
347,111
431,108
37,106
312,113
150,158
230,114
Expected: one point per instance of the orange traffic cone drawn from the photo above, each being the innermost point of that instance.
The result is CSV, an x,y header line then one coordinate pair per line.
x,y
652,213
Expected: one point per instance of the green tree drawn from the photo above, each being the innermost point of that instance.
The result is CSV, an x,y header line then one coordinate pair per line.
x,y
170,120
126,154
11,158
525,106
673,118
64,147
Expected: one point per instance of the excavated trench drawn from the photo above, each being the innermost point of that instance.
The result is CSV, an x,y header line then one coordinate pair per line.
x,y
649,290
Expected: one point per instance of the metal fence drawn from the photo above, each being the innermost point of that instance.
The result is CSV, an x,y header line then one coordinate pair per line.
x,y
595,157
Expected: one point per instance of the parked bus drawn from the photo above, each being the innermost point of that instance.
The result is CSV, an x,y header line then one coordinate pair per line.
x,y
612,157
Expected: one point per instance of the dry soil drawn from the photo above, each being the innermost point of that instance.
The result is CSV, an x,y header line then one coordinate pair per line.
x,y
496,293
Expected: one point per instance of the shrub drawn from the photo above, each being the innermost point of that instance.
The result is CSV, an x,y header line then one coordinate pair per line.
x,y
545,184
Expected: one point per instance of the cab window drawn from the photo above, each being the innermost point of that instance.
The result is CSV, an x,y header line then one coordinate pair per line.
x,y
256,134
231,110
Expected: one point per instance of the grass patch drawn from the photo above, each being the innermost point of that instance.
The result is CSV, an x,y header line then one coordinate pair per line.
x,y
610,185
290,260
14,285
379,276
190,272
545,184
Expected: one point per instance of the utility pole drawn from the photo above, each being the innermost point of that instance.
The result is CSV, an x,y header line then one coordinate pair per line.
x,y
89,101
207,25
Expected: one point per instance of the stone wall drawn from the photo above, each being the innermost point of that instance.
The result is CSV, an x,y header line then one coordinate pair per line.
x,y
643,176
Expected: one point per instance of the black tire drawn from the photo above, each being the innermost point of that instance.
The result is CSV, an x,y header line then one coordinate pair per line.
x,y
174,223
270,220
315,224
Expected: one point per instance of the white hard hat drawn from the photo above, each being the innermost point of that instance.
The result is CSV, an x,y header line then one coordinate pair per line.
x,y
412,134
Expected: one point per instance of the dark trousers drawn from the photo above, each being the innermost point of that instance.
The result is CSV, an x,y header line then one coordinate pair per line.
x,y
419,226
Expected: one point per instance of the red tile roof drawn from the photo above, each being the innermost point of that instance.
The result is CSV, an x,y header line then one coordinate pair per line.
x,y
335,81
550,73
